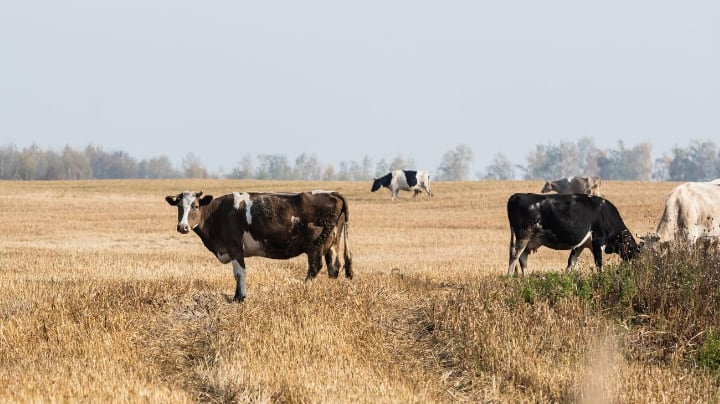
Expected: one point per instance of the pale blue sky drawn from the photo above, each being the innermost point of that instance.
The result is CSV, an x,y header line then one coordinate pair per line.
x,y
343,80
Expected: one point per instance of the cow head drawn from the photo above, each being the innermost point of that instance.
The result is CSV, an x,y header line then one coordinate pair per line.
x,y
547,187
624,245
649,240
376,184
188,204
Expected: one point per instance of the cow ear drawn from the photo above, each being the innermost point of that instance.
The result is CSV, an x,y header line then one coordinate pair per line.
x,y
172,200
206,200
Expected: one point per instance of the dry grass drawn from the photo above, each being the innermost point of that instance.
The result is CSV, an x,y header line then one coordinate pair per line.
x,y
102,300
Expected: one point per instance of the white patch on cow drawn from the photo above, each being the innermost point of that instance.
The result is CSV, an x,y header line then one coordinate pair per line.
x,y
320,191
294,220
535,206
187,199
252,247
244,197
584,240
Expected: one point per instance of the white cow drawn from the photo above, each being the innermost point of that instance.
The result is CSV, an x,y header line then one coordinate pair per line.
x,y
692,212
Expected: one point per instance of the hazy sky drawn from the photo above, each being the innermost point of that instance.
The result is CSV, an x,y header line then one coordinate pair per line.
x,y
343,80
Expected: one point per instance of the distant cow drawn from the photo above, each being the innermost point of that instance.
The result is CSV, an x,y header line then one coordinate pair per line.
x,y
403,180
574,185
271,225
566,222
692,212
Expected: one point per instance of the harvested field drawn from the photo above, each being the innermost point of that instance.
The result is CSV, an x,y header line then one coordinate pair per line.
x,y
103,300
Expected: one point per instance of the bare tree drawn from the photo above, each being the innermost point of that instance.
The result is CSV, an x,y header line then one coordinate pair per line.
x,y
500,169
192,168
455,164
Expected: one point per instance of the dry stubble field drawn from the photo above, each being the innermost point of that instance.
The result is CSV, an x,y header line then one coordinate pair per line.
x,y
103,300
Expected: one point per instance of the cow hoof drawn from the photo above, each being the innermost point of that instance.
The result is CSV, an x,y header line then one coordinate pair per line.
x,y
239,299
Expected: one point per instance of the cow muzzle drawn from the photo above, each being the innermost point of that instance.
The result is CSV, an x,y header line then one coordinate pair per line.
x,y
183,228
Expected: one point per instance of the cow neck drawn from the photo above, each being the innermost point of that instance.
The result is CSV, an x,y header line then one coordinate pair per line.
x,y
204,225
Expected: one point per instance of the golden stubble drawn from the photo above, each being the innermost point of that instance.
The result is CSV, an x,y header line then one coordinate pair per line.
x,y
103,300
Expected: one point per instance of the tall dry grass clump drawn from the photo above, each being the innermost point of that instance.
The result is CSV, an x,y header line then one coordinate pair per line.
x,y
103,301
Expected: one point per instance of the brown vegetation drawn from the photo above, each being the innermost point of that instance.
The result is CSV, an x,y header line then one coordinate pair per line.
x,y
102,300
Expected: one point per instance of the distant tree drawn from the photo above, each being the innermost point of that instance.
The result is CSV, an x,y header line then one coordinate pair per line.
x,y
455,164
193,168
8,162
52,167
31,163
99,161
563,160
350,171
158,167
500,169
328,173
122,165
366,171
544,163
343,173
273,167
699,162
661,169
401,163
381,168
245,168
307,167
627,164
76,165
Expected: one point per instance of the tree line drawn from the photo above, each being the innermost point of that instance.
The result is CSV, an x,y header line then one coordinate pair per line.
x,y
699,161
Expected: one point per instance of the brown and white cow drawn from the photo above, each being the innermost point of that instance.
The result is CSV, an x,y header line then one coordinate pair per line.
x,y
271,225
574,185
692,212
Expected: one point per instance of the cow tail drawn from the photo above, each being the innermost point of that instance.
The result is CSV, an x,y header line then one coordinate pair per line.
x,y
347,255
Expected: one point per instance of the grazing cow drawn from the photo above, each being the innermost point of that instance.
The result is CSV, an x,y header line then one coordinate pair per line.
x,y
403,180
574,185
272,225
566,222
692,212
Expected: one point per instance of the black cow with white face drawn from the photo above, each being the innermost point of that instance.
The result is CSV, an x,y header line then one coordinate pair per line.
x,y
272,225
403,180
566,222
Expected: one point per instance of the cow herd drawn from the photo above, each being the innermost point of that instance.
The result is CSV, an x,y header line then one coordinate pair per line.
x,y
576,217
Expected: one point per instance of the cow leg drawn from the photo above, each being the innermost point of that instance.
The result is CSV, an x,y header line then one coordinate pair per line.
x,y
239,272
347,255
597,254
517,249
572,259
416,192
427,189
332,260
314,264
523,260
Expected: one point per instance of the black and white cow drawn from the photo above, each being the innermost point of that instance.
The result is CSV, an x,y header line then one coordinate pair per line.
x,y
271,225
566,222
403,180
